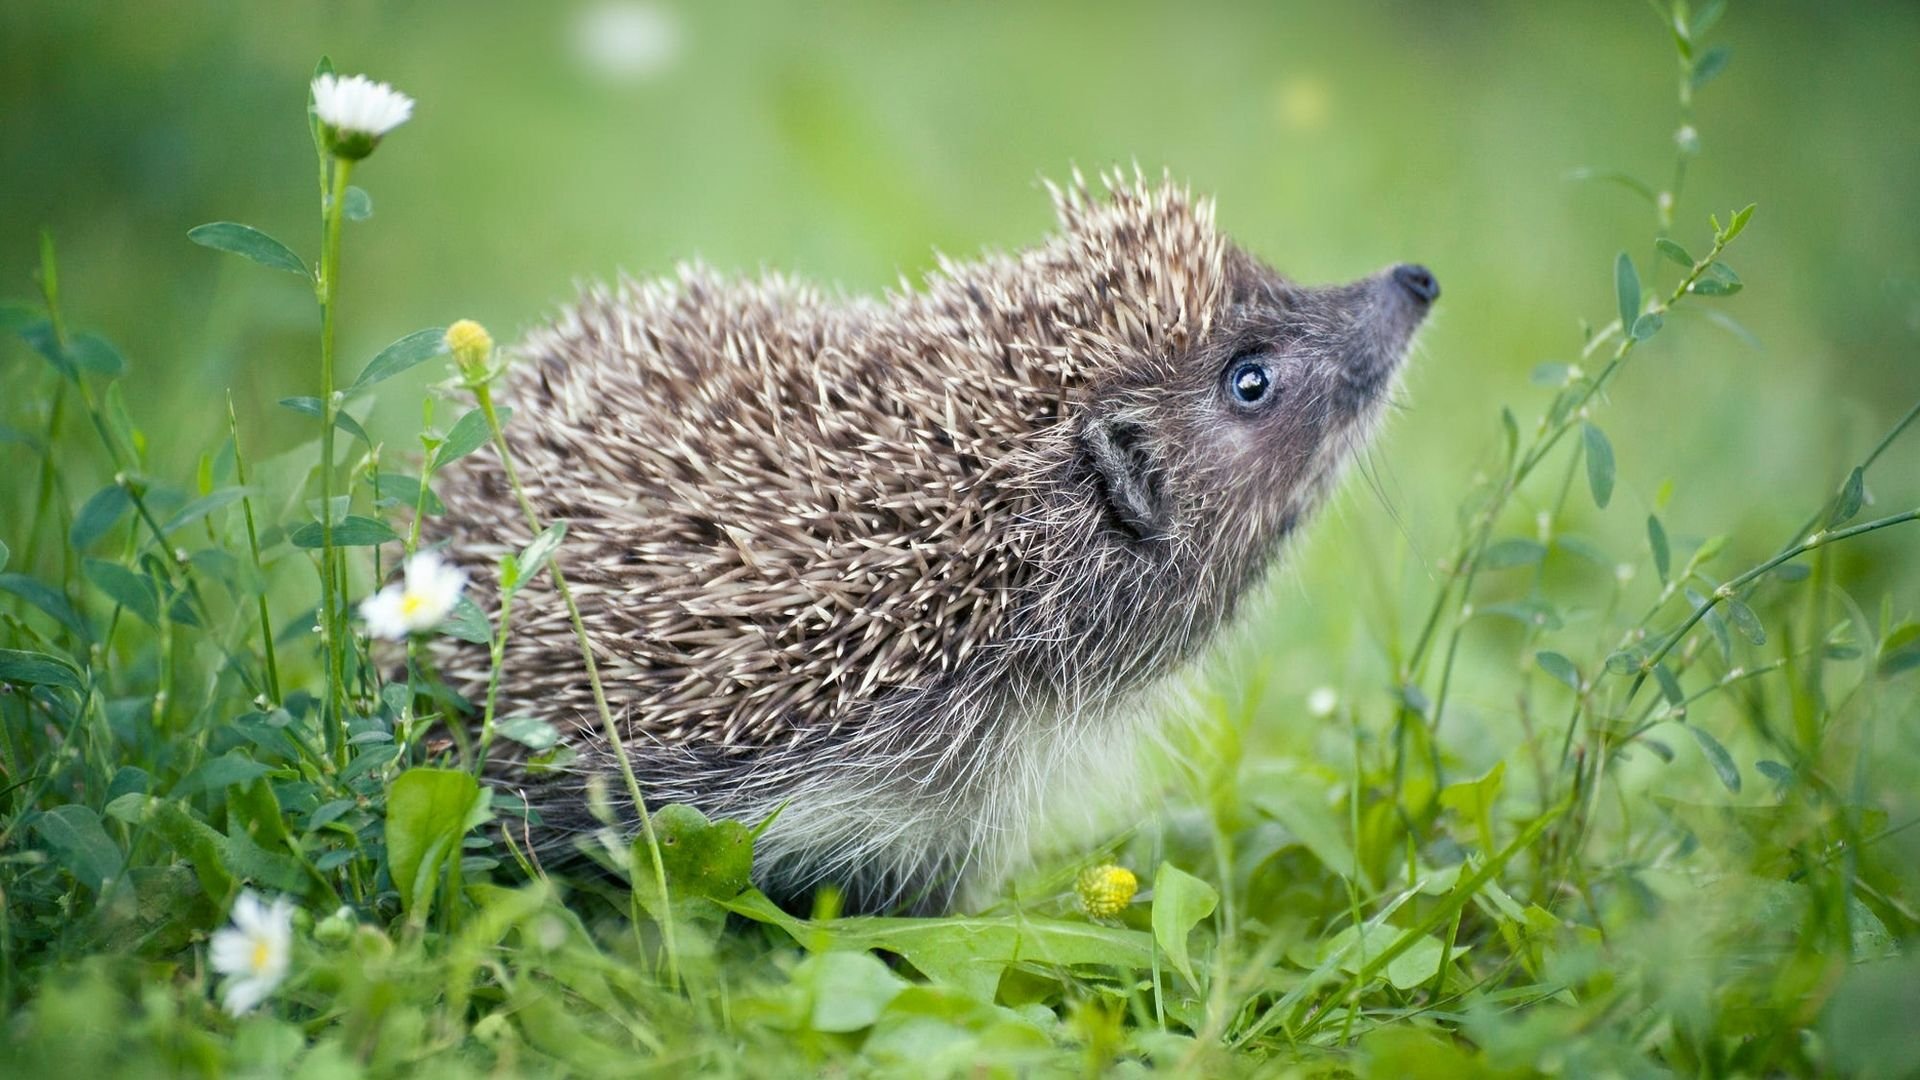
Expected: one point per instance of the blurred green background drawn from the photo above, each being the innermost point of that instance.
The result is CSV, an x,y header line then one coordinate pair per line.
x,y
555,143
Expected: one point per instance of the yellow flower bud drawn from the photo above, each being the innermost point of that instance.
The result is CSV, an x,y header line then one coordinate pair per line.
x,y
471,347
1105,891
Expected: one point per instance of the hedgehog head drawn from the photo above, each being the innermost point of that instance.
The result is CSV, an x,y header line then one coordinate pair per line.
x,y
1219,398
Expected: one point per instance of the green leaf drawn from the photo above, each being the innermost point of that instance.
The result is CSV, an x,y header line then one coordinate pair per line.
x,y
468,434
5,554
1510,431
310,406
400,489
1674,252
1298,799
220,773
204,505
39,669
1626,661
1899,651
967,953
707,860
1852,495
1599,465
1509,553
193,839
1774,771
132,591
98,515
1413,966
1744,620
467,623
1705,16
1559,667
249,243
47,599
1711,63
91,352
415,348
1626,285
1662,553
848,990
358,205
1670,689
1738,225
1723,765
41,337
1180,901
534,734
533,558
74,834
1648,325
1717,280
354,531
428,812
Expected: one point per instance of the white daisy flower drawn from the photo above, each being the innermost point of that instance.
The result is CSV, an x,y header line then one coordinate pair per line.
x,y
254,951
421,601
356,112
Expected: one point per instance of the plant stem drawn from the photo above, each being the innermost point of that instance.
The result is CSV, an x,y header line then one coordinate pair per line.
x,y
332,608
253,545
484,395
1726,592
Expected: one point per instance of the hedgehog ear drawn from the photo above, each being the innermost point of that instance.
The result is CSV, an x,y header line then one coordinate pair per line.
x,y
1129,477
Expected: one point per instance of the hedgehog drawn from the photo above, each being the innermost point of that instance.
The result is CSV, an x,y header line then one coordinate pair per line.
x,y
900,574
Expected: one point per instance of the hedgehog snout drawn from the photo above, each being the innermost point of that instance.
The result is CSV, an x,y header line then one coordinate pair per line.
x,y
1379,316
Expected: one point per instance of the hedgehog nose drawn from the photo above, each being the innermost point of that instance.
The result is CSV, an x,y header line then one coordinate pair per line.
x,y
1418,281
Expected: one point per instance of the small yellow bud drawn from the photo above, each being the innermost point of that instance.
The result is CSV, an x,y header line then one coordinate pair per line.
x,y
471,347
1105,891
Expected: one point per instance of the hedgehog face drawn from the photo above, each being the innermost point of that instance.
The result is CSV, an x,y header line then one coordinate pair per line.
x,y
1235,437
1290,388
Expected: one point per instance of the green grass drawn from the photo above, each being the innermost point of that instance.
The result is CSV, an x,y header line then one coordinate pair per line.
x,y
1577,740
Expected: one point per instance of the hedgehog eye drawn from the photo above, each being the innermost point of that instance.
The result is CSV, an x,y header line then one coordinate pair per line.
x,y
1250,382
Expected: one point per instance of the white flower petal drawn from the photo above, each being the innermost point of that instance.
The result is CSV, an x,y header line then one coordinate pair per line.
x,y
355,103
383,613
230,952
248,914
241,995
254,952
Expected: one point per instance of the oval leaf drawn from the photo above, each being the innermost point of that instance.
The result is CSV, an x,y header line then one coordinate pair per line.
x,y
428,811
98,515
1852,495
1512,552
1626,284
47,599
1723,765
468,433
1674,251
74,834
132,591
415,348
1599,465
39,669
1559,667
535,555
1180,901
1657,540
1745,621
358,205
249,243
354,531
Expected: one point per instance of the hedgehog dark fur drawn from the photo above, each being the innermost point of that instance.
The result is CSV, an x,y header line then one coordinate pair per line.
x,y
901,568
